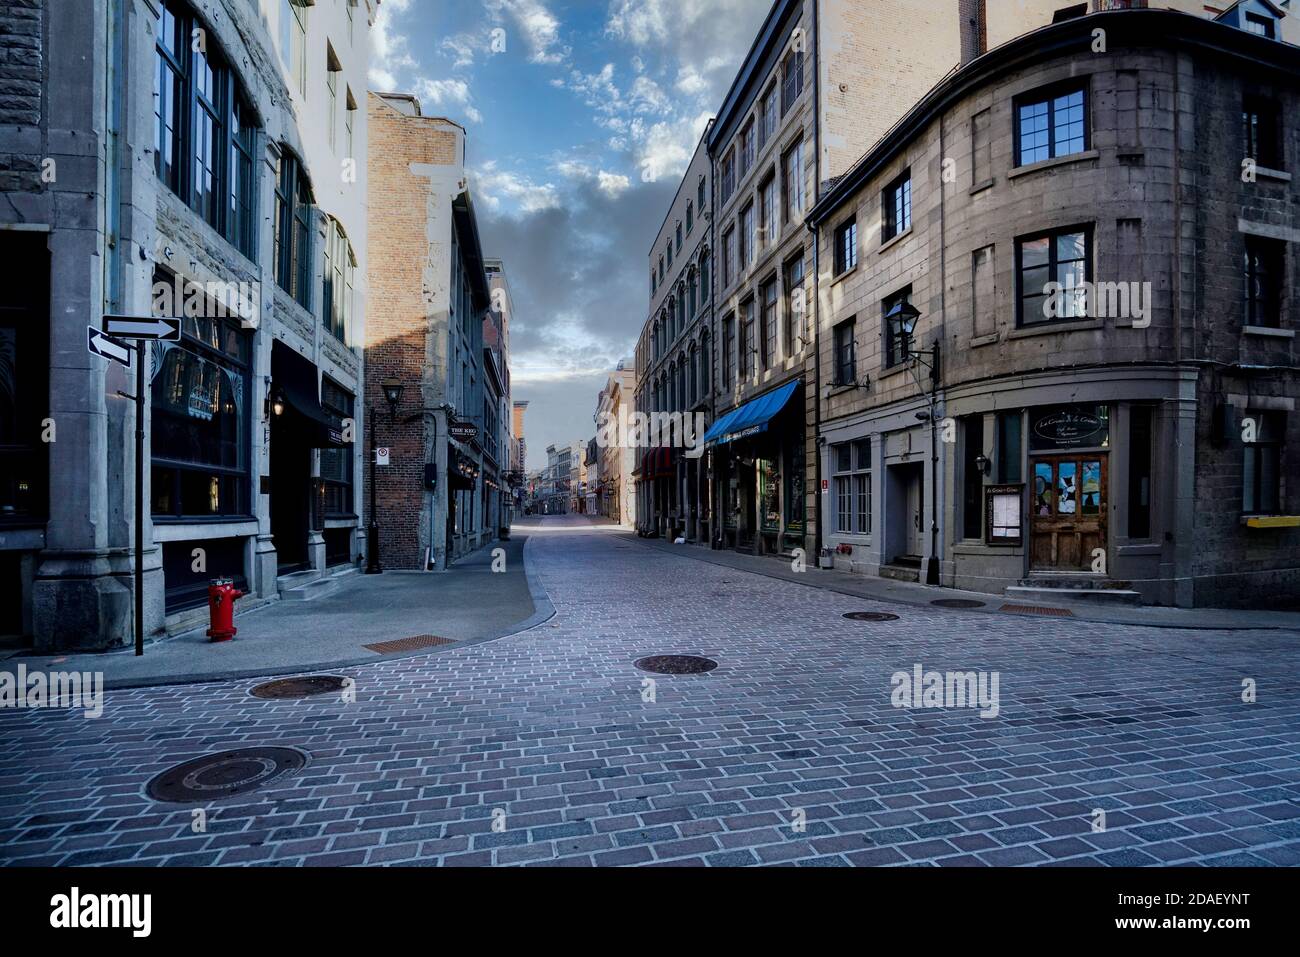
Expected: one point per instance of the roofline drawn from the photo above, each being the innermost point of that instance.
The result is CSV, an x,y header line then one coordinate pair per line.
x,y
780,10
1170,28
708,128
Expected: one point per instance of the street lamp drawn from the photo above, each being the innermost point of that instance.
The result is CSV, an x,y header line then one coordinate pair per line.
x,y
905,315
393,395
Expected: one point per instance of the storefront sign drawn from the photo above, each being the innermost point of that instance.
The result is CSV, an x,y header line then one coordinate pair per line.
x,y
1004,511
463,431
1070,427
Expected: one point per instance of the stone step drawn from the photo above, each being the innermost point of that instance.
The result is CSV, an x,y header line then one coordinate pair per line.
x,y
311,590
900,573
1068,596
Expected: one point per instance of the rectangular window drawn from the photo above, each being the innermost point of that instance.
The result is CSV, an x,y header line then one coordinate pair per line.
x,y
796,330
768,293
747,235
1010,448
1261,121
898,344
1051,270
700,198
1261,476
1265,259
744,362
1052,125
728,257
690,218
292,232
728,176
200,425
791,80
679,237
747,151
331,100
851,465
767,227
24,380
728,348
846,246
792,189
336,465
846,353
1140,419
1260,26
767,129
336,299
972,477
896,212
299,59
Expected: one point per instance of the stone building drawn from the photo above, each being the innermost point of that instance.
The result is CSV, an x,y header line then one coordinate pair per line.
x,y
166,144
430,293
616,404
1058,321
497,440
673,360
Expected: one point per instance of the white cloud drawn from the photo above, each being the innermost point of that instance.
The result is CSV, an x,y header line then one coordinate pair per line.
x,y
447,92
612,184
540,27
690,82
500,189
389,55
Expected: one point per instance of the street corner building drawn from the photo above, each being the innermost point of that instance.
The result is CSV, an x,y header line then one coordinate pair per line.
x,y
1058,318
437,348
158,160
1024,325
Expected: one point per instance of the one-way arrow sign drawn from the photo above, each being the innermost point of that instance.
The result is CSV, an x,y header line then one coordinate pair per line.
x,y
143,327
101,345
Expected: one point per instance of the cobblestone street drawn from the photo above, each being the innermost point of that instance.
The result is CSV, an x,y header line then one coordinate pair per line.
x,y
789,752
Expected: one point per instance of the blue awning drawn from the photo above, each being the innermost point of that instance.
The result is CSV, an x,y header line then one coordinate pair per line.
x,y
751,418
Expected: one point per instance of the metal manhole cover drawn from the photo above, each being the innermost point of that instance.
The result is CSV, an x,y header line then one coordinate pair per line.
x,y
957,603
308,687
418,643
677,664
871,616
216,776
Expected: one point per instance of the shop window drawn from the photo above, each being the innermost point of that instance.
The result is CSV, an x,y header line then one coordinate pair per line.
x,y
1051,269
204,133
1010,427
187,588
336,465
1140,420
851,465
972,477
1261,475
24,381
200,422
1049,125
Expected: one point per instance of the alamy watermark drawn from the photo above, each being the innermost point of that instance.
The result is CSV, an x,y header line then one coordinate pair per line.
x,y
185,299
53,689
641,430
1099,300
954,689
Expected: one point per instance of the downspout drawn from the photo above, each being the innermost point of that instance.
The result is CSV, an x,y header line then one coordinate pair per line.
x,y
817,259
113,273
934,573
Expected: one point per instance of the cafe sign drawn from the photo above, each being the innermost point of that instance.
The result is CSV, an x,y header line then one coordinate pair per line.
x,y
1070,427
463,431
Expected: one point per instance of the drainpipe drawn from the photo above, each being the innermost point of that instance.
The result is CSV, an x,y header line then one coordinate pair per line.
x,y
817,259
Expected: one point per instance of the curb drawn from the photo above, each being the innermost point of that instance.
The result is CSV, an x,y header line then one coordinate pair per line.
x,y
690,553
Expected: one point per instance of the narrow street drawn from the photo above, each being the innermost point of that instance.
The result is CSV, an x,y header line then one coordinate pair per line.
x,y
549,747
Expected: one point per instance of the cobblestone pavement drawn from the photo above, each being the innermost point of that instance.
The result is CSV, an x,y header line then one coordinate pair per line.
x,y
796,725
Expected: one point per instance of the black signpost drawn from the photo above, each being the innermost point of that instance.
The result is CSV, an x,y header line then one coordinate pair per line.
x,y
141,329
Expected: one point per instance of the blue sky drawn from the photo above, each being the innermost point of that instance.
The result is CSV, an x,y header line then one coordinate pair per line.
x,y
581,118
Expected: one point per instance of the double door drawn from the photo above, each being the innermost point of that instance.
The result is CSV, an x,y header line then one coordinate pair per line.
x,y
1070,497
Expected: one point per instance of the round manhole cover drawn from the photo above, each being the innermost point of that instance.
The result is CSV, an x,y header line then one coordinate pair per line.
x,y
957,603
300,687
871,616
216,776
677,664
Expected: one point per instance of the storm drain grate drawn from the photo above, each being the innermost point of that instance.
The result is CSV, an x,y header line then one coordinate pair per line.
x,y
309,687
1035,610
677,664
417,643
957,603
216,776
871,616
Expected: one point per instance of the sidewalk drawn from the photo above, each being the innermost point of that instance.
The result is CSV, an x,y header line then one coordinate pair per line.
x,y
908,593
466,605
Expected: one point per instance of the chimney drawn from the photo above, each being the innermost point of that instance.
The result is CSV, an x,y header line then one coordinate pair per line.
x,y
974,28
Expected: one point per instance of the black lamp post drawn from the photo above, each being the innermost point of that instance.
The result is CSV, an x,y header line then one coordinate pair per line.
x,y
906,315
393,395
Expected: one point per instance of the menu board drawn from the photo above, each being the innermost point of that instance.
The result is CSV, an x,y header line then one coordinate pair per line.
x,y
1004,519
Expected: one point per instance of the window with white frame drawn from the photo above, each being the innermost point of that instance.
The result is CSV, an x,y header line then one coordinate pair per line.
x,y
851,464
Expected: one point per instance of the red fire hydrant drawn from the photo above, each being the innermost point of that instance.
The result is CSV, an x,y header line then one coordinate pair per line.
x,y
222,595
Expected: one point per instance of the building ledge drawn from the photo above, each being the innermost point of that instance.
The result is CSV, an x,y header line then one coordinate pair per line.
x,y
1268,331
1055,161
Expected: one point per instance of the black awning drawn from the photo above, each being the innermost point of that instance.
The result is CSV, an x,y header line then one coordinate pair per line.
x,y
295,377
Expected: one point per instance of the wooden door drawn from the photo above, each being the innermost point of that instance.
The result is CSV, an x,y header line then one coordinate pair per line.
x,y
1070,496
